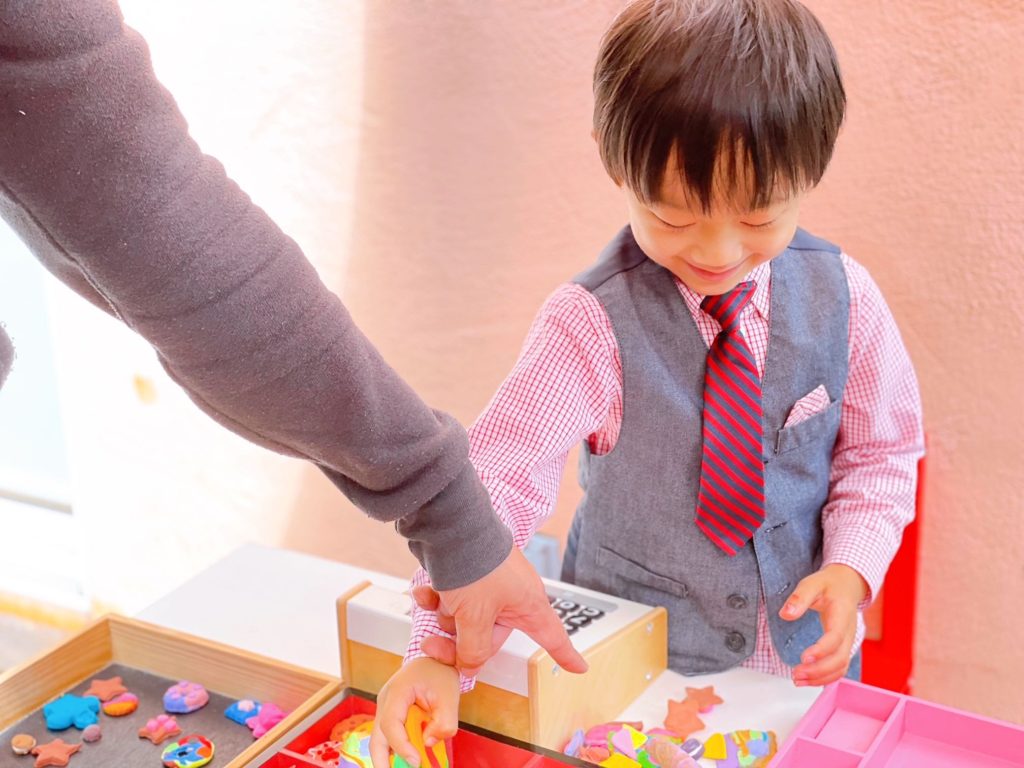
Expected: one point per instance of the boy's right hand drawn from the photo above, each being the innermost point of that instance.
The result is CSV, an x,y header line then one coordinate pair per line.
x,y
435,688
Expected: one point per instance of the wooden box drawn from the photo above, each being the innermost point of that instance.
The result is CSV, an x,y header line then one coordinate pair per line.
x,y
521,693
158,651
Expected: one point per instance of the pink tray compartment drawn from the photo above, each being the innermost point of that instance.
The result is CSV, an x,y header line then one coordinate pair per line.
x,y
813,753
857,716
852,725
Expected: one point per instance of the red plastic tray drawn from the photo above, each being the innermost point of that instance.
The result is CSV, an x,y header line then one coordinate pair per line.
x,y
472,747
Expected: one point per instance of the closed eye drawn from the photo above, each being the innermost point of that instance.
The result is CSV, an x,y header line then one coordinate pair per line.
x,y
760,226
672,226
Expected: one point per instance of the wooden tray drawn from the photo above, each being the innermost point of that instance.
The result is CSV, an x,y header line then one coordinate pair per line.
x,y
116,640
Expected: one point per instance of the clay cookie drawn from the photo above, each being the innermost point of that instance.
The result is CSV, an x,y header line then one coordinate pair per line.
x,y
55,753
682,718
159,728
185,697
121,705
22,744
68,710
269,716
104,690
705,698
242,710
189,752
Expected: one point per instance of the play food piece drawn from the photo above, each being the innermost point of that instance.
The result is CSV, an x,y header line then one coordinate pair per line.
x,y
594,754
694,748
56,752
69,710
121,705
436,756
105,690
669,755
575,744
705,698
714,748
328,752
682,718
159,728
599,734
92,734
242,710
342,728
184,697
192,751
23,743
748,749
269,715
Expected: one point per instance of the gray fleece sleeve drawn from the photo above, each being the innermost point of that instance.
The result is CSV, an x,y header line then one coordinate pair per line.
x,y
99,176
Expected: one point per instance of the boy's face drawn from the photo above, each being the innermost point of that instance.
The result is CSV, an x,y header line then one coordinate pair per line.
x,y
710,252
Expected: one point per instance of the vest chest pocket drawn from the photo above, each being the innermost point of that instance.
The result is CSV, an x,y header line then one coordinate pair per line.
x,y
818,427
616,565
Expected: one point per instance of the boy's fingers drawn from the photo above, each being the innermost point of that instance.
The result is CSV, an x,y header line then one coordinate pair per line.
x,y
394,733
829,643
823,672
444,721
426,597
379,753
803,597
440,649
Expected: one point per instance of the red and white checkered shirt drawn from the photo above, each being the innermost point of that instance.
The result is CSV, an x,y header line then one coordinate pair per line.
x,y
567,387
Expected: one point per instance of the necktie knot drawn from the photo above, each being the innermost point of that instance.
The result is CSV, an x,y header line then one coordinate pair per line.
x,y
727,307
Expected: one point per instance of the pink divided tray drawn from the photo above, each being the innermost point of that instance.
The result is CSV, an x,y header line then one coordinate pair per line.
x,y
852,725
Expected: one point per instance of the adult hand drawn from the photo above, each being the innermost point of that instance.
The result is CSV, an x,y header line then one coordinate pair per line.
x,y
481,615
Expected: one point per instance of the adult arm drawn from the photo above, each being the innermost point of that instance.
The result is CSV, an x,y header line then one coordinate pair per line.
x,y
99,176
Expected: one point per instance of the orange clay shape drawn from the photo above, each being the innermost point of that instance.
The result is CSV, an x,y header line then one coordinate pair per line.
x,y
682,718
705,698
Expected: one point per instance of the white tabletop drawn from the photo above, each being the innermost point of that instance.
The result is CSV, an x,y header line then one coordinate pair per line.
x,y
282,604
269,601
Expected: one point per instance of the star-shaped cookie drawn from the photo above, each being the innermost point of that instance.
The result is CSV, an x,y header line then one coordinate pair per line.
x,y
682,718
105,690
705,698
56,752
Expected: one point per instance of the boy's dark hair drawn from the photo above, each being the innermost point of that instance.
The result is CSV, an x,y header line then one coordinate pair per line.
x,y
745,91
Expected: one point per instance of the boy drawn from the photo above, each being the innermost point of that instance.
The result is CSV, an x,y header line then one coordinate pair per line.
x,y
750,419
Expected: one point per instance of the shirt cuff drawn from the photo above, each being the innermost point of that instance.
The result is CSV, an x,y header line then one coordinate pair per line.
x,y
867,551
457,537
424,624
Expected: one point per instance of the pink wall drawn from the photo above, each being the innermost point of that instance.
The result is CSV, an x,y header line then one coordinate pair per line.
x,y
479,190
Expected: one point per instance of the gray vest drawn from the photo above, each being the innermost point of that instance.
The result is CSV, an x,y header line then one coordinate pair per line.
x,y
633,534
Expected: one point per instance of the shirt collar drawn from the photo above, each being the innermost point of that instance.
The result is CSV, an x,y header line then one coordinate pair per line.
x,y
759,275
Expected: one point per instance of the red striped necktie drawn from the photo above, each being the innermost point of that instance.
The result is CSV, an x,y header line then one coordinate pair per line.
x,y
730,503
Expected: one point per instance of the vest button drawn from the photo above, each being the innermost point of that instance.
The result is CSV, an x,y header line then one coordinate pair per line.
x,y
736,602
735,642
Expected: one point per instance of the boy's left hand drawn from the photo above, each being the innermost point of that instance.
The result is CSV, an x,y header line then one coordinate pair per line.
x,y
834,592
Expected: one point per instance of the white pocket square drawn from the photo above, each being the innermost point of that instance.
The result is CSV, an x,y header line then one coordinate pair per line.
x,y
814,402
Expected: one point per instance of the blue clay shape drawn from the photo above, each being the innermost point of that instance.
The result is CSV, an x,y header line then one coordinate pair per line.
x,y
68,710
572,749
240,711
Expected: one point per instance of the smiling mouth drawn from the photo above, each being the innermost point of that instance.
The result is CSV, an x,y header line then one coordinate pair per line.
x,y
716,272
